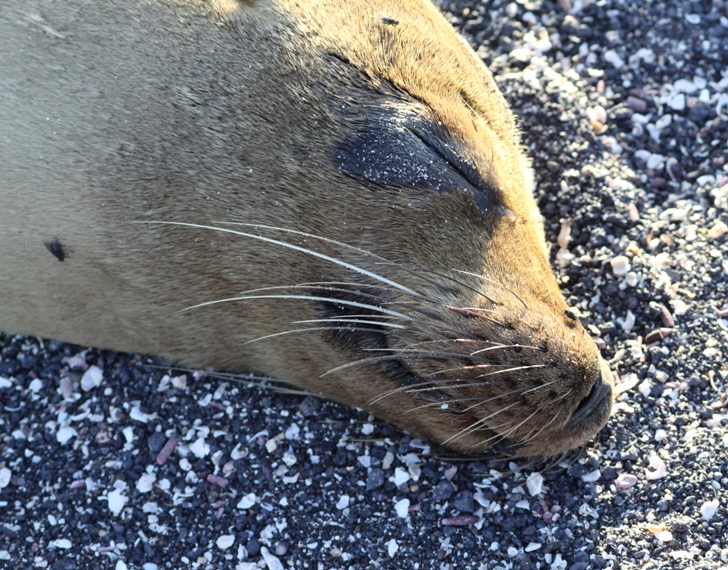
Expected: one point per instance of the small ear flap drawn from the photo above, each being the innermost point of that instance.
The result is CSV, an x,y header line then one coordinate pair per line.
x,y
398,145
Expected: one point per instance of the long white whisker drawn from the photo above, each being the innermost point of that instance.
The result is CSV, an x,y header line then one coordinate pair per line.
x,y
310,329
361,322
295,248
484,278
502,346
303,297
514,369
380,359
471,428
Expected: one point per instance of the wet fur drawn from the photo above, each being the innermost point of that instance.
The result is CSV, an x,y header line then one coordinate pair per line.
x,y
210,114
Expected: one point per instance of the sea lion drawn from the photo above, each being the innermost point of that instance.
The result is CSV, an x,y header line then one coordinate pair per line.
x,y
329,192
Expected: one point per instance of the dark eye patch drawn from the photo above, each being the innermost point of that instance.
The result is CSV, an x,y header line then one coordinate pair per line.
x,y
397,145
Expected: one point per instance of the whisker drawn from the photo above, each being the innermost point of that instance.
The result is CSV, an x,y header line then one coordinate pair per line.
x,y
480,400
431,385
502,346
357,321
463,284
381,359
475,425
302,297
471,313
514,369
484,278
530,437
307,251
312,329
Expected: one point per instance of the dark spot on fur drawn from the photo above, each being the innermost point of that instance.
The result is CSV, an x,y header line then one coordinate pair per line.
x,y
397,146
389,21
56,249
571,319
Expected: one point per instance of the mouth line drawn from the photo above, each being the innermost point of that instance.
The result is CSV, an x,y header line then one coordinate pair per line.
x,y
598,394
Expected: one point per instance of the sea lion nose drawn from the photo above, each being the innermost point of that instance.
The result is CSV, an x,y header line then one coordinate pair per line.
x,y
601,391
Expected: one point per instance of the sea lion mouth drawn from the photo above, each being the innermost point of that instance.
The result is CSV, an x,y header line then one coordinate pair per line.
x,y
596,399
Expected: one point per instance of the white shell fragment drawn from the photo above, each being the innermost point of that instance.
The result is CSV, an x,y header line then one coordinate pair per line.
x,y
625,481
117,500
660,532
92,378
400,476
343,502
146,482
679,307
199,448
402,508
272,562
392,548
225,541
592,477
64,434
247,501
5,475
660,469
534,484
620,265
708,509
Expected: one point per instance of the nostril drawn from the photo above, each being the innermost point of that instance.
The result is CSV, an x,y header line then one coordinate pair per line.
x,y
591,402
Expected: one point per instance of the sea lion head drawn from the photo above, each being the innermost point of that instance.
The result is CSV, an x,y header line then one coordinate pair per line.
x,y
433,302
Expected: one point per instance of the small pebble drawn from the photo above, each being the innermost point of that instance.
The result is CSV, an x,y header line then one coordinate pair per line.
x,y
462,520
657,335
637,104
620,265
718,230
677,102
693,18
146,482
225,541
666,317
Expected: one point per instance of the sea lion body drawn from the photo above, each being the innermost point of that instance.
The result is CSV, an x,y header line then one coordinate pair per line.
x,y
396,261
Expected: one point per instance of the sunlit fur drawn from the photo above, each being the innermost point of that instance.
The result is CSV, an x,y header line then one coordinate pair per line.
x,y
181,153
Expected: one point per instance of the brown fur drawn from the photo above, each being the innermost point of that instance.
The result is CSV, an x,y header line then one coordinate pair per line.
x,y
207,113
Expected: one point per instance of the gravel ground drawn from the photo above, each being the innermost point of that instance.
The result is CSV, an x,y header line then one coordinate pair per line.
x,y
116,461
